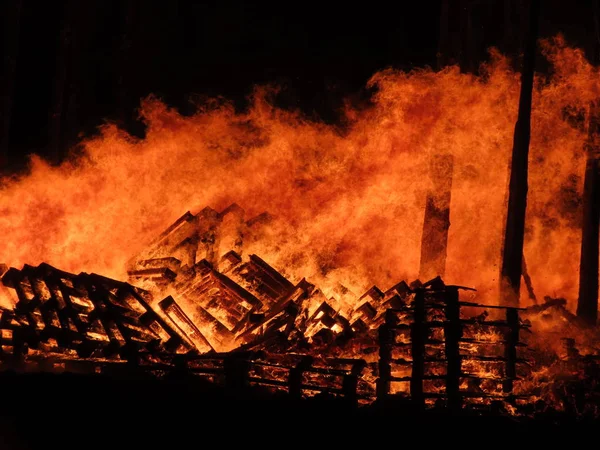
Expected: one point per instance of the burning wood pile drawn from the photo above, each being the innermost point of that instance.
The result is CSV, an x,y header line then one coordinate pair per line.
x,y
194,305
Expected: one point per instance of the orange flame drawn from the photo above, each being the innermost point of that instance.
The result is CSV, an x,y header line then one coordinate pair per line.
x,y
349,200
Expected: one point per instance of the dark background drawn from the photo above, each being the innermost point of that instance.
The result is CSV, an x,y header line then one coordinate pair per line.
x,y
69,66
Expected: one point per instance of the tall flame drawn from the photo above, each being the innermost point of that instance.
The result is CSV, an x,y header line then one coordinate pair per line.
x,y
348,200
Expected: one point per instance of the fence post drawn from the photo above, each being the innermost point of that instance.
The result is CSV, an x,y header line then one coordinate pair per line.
x,y
418,337
236,372
350,382
386,339
452,335
510,348
295,377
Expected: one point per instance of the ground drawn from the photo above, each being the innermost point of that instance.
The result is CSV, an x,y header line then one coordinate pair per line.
x,y
80,411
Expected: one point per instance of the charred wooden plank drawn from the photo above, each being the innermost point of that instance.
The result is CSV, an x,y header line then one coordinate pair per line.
x,y
296,374
228,261
167,262
162,275
230,231
587,303
263,278
188,328
183,230
283,312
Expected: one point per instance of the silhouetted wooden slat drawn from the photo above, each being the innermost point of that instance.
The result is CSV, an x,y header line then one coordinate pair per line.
x,y
295,376
517,198
510,349
236,372
149,342
297,296
418,337
587,304
187,327
452,335
385,339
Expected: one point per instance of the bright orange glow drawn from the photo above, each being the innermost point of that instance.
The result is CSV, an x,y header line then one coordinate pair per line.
x,y
348,200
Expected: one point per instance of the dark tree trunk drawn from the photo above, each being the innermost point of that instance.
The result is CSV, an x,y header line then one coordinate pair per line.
x,y
587,304
12,28
517,198
436,223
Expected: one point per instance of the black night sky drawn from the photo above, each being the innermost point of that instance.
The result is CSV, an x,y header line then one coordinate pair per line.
x,y
68,66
